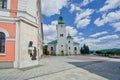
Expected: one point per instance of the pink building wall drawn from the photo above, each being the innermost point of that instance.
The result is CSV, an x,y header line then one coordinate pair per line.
x,y
17,18
9,45
11,29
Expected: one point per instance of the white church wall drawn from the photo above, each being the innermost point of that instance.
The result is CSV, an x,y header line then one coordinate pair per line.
x,y
78,49
70,46
61,40
49,48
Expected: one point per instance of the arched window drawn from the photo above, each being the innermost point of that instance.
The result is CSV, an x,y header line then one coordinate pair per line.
x,y
51,48
2,42
75,48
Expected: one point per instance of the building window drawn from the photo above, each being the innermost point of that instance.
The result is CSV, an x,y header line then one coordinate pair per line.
x,y
69,48
3,4
61,35
75,48
51,48
69,42
2,42
61,45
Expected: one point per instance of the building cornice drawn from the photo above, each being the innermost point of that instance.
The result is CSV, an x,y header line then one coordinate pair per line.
x,y
17,11
17,19
28,21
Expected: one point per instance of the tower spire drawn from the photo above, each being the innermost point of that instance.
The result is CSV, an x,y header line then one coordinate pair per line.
x,y
69,36
60,20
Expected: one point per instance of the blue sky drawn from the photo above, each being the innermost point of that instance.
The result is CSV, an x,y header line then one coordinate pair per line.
x,y
92,22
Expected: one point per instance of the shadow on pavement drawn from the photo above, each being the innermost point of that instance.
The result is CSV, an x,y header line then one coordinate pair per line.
x,y
31,67
106,69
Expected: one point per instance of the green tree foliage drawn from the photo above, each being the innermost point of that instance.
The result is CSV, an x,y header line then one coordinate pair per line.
x,y
45,49
107,53
85,49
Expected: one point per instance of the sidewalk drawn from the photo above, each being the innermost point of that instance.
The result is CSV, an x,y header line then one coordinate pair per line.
x,y
50,68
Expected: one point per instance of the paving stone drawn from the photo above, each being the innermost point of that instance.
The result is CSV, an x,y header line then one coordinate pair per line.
x,y
60,68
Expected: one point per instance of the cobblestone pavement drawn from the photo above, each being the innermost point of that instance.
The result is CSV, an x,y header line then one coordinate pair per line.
x,y
66,68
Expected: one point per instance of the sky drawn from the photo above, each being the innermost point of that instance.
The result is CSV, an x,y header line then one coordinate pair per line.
x,y
95,23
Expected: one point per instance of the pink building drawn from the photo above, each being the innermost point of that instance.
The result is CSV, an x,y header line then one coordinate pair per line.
x,y
20,33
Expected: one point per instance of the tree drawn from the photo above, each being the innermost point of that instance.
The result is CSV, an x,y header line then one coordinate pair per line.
x,y
85,49
81,50
45,49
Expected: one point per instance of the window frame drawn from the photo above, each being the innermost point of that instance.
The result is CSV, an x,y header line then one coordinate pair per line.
x,y
51,48
61,35
75,48
68,41
3,53
4,4
61,45
69,48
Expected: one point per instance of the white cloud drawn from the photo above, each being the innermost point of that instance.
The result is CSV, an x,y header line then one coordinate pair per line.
x,y
80,34
105,42
53,6
109,37
99,22
98,34
74,7
107,45
110,4
113,18
71,30
49,31
112,42
77,7
83,18
85,2
116,26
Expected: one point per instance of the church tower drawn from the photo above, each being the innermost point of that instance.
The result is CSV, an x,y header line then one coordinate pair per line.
x,y
61,37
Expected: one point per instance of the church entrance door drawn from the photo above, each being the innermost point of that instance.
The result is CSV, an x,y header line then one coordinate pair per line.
x,y
62,53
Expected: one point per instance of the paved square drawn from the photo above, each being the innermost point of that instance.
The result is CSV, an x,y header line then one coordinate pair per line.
x,y
67,68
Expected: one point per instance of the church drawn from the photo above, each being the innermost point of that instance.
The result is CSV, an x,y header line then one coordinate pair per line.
x,y
64,45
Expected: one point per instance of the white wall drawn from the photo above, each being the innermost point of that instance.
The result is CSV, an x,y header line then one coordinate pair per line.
x,y
78,48
54,48
61,40
70,45
28,9
27,33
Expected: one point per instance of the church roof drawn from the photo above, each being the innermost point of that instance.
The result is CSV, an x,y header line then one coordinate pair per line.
x,y
53,42
69,36
75,43
60,20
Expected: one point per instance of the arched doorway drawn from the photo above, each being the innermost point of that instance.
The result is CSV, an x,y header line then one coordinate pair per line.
x,y
62,53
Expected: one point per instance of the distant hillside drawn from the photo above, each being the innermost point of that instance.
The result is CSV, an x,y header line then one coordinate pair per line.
x,y
110,49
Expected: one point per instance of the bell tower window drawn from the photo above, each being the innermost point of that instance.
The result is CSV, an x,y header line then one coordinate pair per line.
x,y
61,35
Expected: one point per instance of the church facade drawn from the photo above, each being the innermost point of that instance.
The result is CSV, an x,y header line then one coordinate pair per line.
x,y
63,45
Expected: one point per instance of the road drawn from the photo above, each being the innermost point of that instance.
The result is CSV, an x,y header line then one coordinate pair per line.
x,y
108,68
